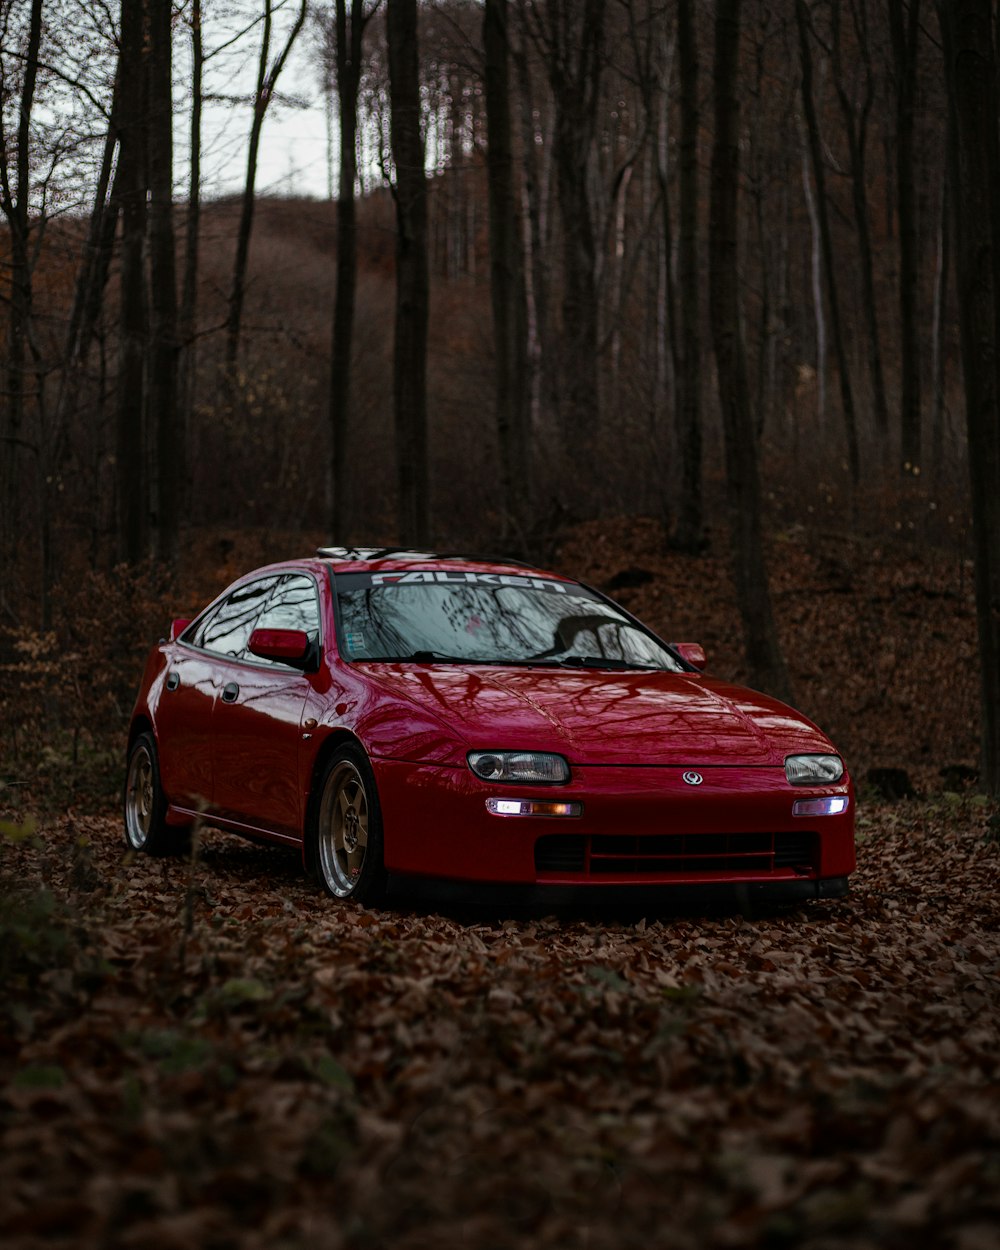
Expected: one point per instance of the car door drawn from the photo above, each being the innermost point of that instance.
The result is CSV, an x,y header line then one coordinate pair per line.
x,y
184,726
257,720
192,683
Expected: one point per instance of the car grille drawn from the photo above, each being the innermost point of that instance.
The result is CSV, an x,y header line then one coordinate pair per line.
x,y
676,854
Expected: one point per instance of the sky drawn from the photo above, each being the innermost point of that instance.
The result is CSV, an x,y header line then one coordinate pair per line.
x,y
293,149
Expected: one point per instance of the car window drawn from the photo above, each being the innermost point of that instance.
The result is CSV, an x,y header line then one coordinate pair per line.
x,y
293,605
487,618
228,628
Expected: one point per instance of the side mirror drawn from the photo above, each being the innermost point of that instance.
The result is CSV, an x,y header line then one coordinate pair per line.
x,y
288,646
177,627
693,652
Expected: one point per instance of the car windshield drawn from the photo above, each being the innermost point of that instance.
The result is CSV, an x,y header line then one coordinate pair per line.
x,y
489,618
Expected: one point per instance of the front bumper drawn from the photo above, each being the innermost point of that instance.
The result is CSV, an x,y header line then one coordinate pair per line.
x,y
639,826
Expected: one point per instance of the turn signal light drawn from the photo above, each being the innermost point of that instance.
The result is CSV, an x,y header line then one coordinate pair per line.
x,y
820,807
532,807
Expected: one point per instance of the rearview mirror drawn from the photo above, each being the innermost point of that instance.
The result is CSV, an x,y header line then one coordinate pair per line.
x,y
177,627
693,652
289,646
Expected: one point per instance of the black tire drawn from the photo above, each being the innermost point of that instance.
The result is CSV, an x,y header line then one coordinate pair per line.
x,y
145,805
346,849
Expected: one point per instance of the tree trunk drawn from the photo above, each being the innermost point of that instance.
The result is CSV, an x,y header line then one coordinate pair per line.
x,y
663,298
348,60
187,319
130,445
91,289
570,39
763,652
536,271
971,76
91,271
412,287
688,533
267,79
574,137
506,282
615,304
826,244
93,305
237,290
456,220
904,26
668,348
939,329
163,342
856,129
14,205
816,286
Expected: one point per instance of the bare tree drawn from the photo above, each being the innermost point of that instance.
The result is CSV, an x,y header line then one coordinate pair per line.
x,y
412,283
569,37
971,65
163,342
904,26
15,195
92,274
815,282
654,47
939,327
506,276
763,651
268,73
536,164
688,535
826,243
349,35
74,397
856,113
132,165
187,316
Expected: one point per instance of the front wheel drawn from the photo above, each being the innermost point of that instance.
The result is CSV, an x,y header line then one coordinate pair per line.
x,y
347,830
145,804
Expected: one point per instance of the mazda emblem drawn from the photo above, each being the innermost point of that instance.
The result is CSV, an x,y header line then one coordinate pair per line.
x,y
693,779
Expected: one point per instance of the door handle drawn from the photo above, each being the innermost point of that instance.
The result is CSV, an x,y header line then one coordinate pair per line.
x,y
173,680
229,692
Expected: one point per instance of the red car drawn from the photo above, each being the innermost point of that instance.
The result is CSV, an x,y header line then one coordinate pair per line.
x,y
397,712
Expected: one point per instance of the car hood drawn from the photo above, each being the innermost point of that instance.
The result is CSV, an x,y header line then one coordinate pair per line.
x,y
598,717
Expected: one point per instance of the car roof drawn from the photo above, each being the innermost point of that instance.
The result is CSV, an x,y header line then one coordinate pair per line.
x,y
397,559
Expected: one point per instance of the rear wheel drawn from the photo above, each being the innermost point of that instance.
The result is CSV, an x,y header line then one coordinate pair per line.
x,y
347,847
145,804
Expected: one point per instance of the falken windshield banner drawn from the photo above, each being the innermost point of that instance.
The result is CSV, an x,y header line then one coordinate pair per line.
x,y
451,577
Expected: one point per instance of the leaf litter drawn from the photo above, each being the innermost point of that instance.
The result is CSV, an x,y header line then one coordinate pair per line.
x,y
214,1053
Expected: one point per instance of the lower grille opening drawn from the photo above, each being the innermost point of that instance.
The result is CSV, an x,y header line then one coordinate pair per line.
x,y
795,850
676,854
561,854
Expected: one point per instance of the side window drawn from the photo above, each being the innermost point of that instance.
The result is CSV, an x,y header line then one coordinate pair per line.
x,y
293,605
228,629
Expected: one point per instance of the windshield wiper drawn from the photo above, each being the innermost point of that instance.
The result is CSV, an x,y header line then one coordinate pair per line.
x,y
439,657
599,661
426,657
564,661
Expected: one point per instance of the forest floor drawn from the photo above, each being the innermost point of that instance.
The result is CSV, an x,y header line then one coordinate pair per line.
x,y
211,1053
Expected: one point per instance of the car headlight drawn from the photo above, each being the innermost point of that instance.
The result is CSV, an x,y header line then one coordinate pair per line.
x,y
813,770
538,766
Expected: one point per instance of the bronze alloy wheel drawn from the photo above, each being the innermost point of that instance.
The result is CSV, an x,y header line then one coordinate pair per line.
x,y
348,830
145,805
139,797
